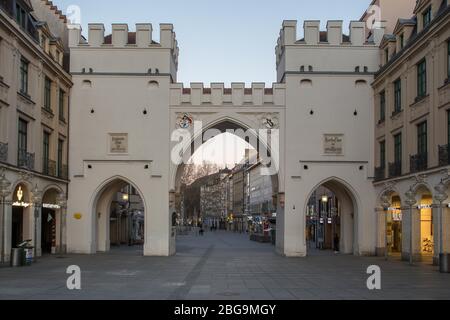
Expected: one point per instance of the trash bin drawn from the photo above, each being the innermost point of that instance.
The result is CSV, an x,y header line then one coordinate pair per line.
x,y
444,263
27,252
17,257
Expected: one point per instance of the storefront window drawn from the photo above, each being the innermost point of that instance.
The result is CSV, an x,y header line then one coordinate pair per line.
x,y
426,225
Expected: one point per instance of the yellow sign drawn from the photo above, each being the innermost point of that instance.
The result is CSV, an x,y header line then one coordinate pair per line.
x,y
78,216
20,194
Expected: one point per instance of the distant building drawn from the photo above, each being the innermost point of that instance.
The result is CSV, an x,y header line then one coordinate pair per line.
x,y
261,192
213,204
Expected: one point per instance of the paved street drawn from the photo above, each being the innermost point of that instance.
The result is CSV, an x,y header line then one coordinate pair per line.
x,y
221,266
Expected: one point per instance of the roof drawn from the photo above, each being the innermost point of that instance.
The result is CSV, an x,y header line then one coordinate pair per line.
x,y
404,22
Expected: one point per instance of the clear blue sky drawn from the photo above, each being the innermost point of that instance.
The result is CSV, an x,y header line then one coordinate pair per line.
x,y
220,40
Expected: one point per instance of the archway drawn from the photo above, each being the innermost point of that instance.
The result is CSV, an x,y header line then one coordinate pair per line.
x,y
391,224
331,218
22,217
118,213
52,221
245,213
424,223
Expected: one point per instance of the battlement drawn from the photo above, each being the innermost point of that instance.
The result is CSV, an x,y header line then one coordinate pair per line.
x,y
217,94
121,37
333,36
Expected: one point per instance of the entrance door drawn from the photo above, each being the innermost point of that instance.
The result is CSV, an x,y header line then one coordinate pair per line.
x,y
17,226
48,238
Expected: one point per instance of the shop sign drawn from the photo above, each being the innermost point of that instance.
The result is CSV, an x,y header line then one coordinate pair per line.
x,y
397,216
50,206
21,204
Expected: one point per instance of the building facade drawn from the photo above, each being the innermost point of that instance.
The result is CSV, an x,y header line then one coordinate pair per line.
x,y
213,195
412,117
34,119
318,144
136,133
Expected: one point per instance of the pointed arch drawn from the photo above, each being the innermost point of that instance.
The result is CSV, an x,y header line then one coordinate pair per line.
x,y
101,202
351,204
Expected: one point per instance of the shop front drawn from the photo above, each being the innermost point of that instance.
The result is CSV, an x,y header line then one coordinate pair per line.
x,y
51,222
21,216
394,227
426,226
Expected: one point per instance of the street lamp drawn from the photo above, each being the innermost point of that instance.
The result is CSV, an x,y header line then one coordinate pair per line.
x,y
386,204
126,198
37,200
325,219
5,184
411,201
61,201
441,196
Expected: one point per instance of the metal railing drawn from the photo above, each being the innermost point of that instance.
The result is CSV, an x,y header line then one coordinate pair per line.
x,y
418,162
49,167
3,152
25,160
395,169
444,155
380,173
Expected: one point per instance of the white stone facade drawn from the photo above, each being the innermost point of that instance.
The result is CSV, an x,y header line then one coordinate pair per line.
x,y
116,93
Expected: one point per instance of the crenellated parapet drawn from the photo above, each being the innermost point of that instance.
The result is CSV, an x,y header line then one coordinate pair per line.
x,y
333,36
325,51
154,60
217,95
121,37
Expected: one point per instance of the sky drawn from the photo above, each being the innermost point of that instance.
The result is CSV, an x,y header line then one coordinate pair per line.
x,y
220,41
225,150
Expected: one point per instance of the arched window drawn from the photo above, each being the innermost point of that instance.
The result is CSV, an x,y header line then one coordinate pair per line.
x,y
87,84
306,83
153,84
360,83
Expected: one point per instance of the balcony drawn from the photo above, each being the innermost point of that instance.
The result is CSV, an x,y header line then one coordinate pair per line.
x,y
419,162
3,152
49,167
25,160
444,155
63,172
395,169
380,173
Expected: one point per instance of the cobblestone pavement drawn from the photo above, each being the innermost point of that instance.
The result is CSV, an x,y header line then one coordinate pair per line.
x,y
221,266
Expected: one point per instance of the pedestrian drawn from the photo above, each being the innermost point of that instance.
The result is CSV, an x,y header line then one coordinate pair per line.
x,y
336,243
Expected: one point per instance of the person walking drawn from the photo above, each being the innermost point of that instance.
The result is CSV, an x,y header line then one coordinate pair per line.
x,y
336,243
